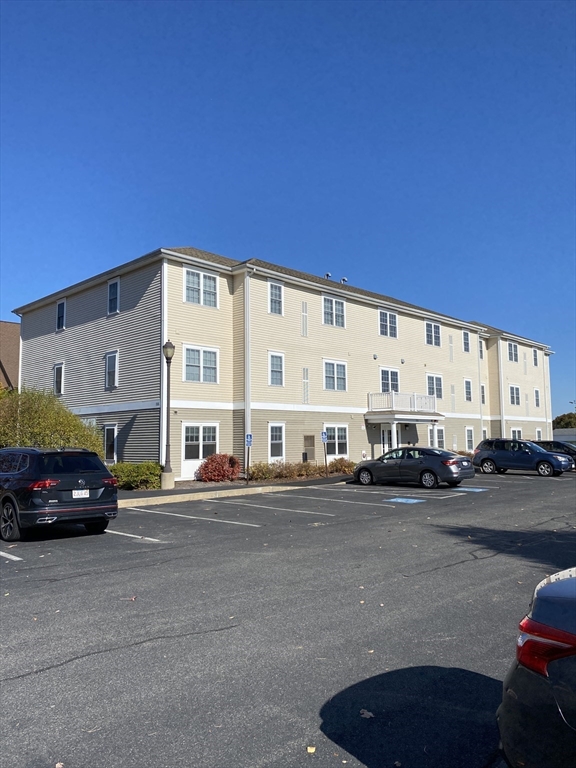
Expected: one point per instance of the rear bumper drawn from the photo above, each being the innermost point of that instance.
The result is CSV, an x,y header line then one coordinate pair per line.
x,y
49,515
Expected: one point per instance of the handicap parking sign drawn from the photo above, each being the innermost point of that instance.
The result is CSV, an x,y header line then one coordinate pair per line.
x,y
248,441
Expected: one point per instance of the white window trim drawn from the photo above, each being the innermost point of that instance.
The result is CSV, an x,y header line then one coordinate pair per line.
x,y
333,456
390,370
435,376
203,273
439,430
200,426
466,431
59,364
280,285
515,387
335,363
538,434
112,353
518,436
200,349
271,353
513,350
115,428
117,310
334,299
537,398
466,336
434,325
535,361
394,314
481,346
272,459
468,381
61,301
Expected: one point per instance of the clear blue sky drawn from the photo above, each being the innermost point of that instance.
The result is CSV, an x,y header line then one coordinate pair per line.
x,y
425,150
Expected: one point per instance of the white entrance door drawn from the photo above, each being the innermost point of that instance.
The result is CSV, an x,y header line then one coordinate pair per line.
x,y
198,442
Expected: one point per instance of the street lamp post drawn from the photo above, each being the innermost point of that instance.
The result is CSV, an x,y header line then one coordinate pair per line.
x,y
167,480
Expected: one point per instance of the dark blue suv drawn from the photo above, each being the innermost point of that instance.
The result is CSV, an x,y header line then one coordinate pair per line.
x,y
500,455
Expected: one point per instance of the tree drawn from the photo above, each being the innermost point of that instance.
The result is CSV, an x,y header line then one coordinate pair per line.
x,y
565,421
39,419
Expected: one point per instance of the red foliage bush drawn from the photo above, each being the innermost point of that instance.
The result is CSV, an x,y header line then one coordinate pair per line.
x,y
219,467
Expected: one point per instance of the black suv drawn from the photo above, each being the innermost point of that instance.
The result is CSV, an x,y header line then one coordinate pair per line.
x,y
43,486
557,446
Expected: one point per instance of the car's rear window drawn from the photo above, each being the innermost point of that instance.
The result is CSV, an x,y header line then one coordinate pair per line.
x,y
62,464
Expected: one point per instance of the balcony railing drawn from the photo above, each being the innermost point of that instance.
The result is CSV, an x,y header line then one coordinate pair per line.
x,y
401,401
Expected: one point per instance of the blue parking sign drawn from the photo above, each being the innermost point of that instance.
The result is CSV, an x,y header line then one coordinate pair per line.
x,y
248,441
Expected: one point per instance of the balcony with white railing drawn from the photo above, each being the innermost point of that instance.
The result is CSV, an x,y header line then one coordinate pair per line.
x,y
406,402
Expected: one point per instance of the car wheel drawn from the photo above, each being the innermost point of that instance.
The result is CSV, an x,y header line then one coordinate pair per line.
x,y
454,483
365,477
488,467
428,479
98,527
502,471
9,528
545,469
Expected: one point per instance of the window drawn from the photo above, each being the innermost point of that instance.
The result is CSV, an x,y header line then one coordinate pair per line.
x,y
335,376
481,349
113,296
469,439
337,440
200,441
275,291
516,434
514,395
111,370
388,324
58,378
466,341
110,443
433,334
389,380
434,386
535,357
483,394
276,369
333,312
61,315
537,398
512,352
276,442
439,436
468,390
484,434
538,434
201,365
200,288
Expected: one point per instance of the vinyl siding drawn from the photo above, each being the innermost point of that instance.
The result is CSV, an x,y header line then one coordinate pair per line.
x,y
137,436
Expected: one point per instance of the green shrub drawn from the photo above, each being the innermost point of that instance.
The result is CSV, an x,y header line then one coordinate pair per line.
x,y
135,477
341,467
218,468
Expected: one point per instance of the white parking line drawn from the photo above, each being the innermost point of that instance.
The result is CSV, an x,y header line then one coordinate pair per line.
x,y
134,536
276,509
340,501
194,517
9,557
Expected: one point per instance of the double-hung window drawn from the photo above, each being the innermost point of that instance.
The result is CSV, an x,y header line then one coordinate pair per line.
x,y
200,441
337,440
481,348
61,315
200,288
514,395
468,390
201,365
389,380
512,352
469,439
388,324
335,375
537,398
535,357
466,341
516,434
59,378
110,443
276,369
333,312
434,384
433,334
113,296
483,394
111,369
439,436
275,295
276,441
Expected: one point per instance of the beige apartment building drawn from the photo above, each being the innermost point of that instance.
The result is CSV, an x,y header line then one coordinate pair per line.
x,y
287,357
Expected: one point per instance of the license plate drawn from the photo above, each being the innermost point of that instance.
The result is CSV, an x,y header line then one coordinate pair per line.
x,y
81,494
465,463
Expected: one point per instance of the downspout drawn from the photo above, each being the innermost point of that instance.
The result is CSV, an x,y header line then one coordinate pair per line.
x,y
501,387
546,359
247,366
161,361
480,386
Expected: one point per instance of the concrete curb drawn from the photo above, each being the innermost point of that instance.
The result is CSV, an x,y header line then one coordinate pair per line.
x,y
200,495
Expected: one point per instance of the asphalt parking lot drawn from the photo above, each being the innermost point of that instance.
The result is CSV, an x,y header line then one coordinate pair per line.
x,y
324,625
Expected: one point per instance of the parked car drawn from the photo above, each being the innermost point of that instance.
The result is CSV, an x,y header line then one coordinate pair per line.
x,y
40,487
557,446
537,716
500,455
426,466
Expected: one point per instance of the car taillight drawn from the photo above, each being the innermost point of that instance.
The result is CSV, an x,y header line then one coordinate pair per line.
x,y
110,481
451,462
41,485
539,644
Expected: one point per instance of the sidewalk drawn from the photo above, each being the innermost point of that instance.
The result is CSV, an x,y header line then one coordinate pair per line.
x,y
201,491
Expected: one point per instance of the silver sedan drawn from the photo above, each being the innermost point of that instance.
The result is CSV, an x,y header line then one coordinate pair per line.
x,y
426,466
